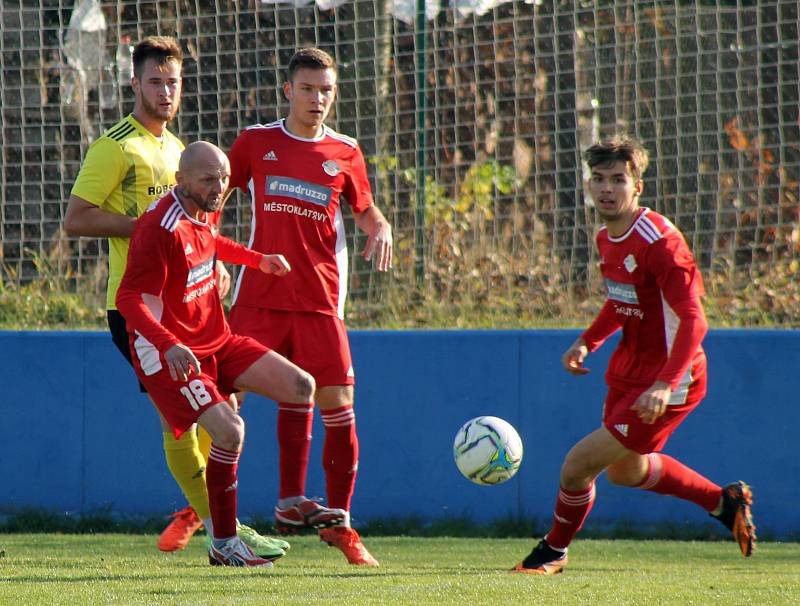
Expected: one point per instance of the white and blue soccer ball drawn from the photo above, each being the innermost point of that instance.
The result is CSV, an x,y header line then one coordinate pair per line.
x,y
487,450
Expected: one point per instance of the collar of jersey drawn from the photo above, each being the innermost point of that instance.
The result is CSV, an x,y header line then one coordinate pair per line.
x,y
187,215
314,140
141,128
644,210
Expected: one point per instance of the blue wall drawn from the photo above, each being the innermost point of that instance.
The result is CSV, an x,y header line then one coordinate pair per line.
x,y
77,435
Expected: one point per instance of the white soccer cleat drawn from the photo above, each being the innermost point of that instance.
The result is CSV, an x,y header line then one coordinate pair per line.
x,y
234,552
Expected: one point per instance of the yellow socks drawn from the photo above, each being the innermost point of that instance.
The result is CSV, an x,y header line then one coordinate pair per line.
x,y
187,465
203,442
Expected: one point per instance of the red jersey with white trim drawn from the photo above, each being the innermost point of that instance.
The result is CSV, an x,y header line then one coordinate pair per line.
x,y
648,272
295,187
168,293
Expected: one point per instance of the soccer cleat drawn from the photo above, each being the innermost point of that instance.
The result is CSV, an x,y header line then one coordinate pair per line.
x,y
177,534
264,547
543,560
347,540
736,516
235,553
306,514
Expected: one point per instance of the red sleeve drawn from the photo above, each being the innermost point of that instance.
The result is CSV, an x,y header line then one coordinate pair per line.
x,y
674,269
692,328
229,251
357,190
605,324
240,163
145,275
681,284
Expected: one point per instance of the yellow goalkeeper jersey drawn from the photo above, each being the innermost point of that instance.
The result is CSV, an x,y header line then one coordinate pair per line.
x,y
124,171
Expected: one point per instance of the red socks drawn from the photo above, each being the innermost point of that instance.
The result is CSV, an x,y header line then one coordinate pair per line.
x,y
571,510
294,439
671,477
222,486
340,455
665,476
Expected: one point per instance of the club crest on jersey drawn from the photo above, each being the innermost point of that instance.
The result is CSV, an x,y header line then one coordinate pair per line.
x,y
331,167
630,263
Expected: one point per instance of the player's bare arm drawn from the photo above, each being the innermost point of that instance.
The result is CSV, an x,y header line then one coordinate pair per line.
x,y
653,402
379,237
573,358
86,219
181,361
274,264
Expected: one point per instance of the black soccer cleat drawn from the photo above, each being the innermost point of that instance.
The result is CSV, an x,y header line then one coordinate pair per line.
x,y
737,517
542,560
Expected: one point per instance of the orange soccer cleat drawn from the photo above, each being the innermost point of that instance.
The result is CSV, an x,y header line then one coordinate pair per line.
x,y
183,526
347,540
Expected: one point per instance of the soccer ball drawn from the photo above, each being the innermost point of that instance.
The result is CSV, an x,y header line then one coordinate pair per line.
x,y
487,450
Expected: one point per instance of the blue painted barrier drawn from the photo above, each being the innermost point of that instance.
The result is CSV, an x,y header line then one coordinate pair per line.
x,y
77,435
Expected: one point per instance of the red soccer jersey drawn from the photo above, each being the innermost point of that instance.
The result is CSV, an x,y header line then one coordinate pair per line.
x,y
295,188
168,294
649,272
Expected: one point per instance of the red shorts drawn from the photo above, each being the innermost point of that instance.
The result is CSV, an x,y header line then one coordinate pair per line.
x,y
316,342
182,402
633,433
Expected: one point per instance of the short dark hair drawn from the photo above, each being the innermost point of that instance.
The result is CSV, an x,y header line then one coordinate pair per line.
x,y
309,58
618,148
163,49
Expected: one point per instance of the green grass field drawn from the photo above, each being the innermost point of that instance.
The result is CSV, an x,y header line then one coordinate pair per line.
x,y
127,569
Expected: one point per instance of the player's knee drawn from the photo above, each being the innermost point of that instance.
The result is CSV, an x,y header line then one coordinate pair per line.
x,y
625,474
617,477
231,437
304,386
574,474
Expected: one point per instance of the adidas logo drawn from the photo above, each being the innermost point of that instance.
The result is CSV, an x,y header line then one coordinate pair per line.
x,y
622,428
188,250
270,155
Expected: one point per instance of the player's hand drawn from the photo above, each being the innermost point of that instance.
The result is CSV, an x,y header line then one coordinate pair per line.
x,y
274,264
379,244
223,279
181,361
573,358
653,402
